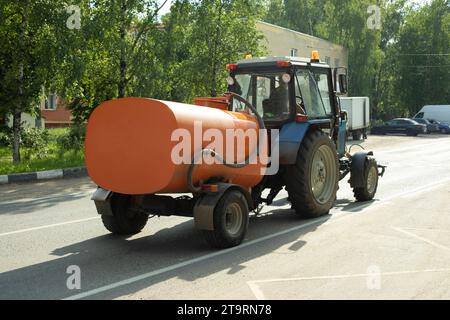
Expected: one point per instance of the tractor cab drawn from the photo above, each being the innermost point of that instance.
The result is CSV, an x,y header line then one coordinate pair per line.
x,y
288,89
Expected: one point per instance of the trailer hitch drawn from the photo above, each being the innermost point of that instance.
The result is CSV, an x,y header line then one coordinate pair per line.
x,y
383,170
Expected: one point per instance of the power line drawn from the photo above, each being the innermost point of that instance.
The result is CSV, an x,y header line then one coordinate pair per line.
x,y
424,54
439,66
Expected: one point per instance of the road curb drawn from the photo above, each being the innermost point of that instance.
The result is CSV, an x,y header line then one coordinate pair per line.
x,y
43,175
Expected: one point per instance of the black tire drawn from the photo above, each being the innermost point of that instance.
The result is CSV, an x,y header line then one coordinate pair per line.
x,y
124,221
356,135
369,190
233,205
298,177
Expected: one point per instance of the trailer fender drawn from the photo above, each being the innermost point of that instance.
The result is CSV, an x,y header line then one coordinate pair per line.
x,y
357,168
205,205
102,200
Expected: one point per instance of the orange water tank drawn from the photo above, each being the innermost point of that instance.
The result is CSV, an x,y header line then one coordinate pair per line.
x,y
129,147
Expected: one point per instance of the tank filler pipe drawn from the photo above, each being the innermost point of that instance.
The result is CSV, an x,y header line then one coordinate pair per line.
x,y
190,182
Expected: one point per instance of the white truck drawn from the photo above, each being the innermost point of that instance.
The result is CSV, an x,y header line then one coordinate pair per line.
x,y
358,113
437,112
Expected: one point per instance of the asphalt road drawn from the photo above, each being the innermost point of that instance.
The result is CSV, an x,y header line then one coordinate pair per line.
x,y
395,247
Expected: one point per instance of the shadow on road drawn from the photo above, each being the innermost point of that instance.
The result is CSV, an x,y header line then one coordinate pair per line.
x,y
42,195
349,205
107,259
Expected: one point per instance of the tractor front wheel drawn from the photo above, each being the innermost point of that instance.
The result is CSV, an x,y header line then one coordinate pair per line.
x,y
312,182
369,190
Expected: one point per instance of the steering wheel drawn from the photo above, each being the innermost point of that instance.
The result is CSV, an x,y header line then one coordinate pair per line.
x,y
301,104
240,99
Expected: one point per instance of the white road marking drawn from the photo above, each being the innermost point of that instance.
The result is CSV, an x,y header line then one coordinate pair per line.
x,y
435,244
326,219
427,229
256,290
259,294
191,261
415,147
47,226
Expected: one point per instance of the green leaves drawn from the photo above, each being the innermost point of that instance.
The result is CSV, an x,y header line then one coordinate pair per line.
x,y
401,67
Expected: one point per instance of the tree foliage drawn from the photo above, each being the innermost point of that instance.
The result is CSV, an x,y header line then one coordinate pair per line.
x,y
402,66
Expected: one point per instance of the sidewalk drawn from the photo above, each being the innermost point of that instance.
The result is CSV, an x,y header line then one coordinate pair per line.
x,y
43,175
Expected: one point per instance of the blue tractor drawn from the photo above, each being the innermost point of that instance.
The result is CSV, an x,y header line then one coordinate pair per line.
x,y
300,98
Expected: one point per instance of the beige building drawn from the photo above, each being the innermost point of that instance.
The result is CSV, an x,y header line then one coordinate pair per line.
x,y
280,41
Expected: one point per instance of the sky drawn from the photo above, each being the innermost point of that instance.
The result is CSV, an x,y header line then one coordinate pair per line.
x,y
166,8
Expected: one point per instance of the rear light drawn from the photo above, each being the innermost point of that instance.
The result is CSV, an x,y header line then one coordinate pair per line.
x,y
301,118
213,188
284,63
232,66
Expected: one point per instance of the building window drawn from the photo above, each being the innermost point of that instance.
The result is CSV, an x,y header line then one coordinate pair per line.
x,y
50,102
294,52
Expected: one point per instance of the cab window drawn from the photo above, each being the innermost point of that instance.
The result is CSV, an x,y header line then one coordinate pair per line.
x,y
267,92
322,83
307,94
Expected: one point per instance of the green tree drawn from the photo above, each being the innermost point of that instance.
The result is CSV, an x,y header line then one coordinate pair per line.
x,y
223,31
27,57
423,53
106,58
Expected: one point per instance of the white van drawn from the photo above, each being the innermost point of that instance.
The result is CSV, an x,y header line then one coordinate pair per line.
x,y
439,112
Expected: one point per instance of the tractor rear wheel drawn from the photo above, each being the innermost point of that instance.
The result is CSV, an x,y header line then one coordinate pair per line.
x,y
312,182
230,221
124,220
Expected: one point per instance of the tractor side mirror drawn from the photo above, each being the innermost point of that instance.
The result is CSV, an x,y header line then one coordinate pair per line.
x,y
343,115
343,83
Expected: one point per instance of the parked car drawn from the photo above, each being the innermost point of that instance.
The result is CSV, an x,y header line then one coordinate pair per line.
x,y
431,127
400,126
443,127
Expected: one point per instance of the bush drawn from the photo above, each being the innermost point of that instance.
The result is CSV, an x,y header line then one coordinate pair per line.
x,y
33,139
36,140
5,140
5,136
73,140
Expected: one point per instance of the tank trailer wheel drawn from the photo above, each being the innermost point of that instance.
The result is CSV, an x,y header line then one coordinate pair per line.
x,y
230,221
312,182
124,221
369,190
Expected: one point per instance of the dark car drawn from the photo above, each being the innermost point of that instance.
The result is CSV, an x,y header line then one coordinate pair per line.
x,y
443,127
430,126
400,126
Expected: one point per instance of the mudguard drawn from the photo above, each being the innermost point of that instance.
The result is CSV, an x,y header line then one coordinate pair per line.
x,y
204,207
102,199
291,137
